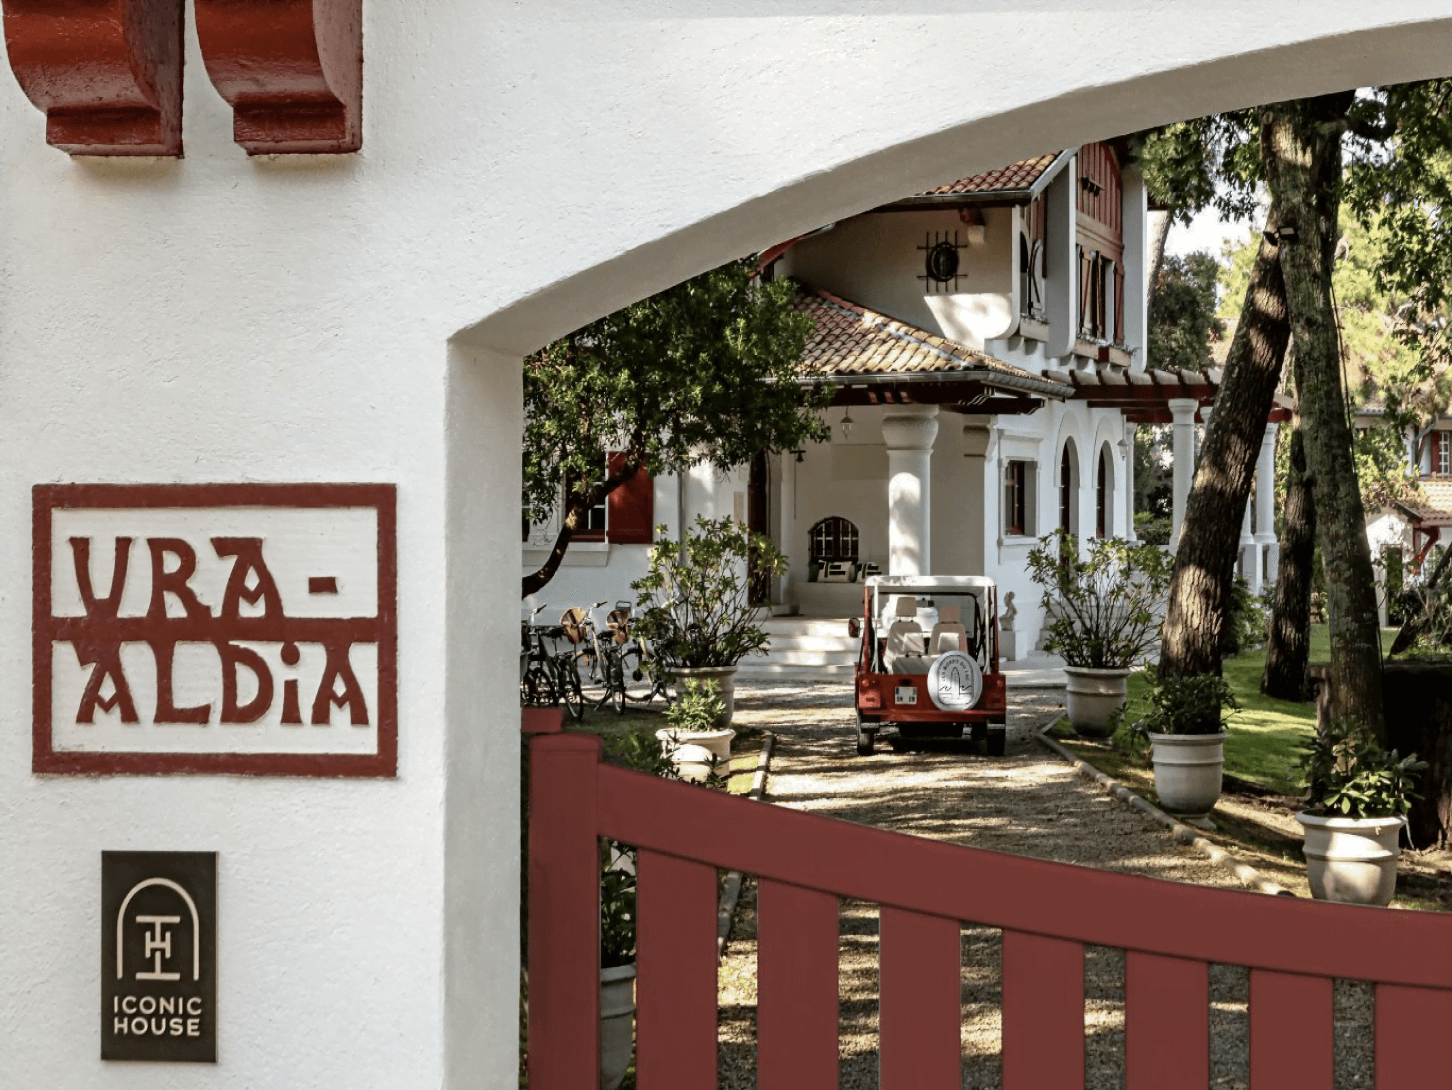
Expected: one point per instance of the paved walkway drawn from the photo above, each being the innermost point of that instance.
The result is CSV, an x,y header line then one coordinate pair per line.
x,y
1029,803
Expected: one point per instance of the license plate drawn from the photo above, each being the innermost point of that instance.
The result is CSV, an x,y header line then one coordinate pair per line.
x,y
905,694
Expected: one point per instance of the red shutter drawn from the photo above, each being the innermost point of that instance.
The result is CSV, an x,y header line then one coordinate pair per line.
x,y
632,508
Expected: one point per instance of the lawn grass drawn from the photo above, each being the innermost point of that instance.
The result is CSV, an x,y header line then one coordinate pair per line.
x,y
1264,738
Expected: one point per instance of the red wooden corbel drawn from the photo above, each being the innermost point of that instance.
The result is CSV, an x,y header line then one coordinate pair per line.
x,y
292,71
106,73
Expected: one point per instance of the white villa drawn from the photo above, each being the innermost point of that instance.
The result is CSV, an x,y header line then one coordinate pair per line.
x,y
985,342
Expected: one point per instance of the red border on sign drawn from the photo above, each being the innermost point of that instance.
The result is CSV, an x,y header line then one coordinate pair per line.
x,y
46,498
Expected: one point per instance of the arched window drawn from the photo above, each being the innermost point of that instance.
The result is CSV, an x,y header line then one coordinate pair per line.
x,y
833,538
1068,490
1101,495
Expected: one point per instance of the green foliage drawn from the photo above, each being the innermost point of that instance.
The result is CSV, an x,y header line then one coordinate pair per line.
x,y
1182,317
694,600
1153,529
698,708
1245,620
1109,603
1188,704
703,372
1428,609
1351,775
1212,160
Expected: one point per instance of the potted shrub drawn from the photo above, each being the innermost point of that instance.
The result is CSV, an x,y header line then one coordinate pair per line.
x,y
695,608
1360,795
694,743
1104,613
1186,730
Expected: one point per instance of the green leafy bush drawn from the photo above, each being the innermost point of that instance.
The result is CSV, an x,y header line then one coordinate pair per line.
x,y
696,610
698,708
1196,704
1352,775
1106,606
1245,621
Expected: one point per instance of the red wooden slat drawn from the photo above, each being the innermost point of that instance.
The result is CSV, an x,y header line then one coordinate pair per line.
x,y
1043,1013
997,890
1411,1036
564,913
675,1027
921,1015
1292,1032
1166,1023
796,1006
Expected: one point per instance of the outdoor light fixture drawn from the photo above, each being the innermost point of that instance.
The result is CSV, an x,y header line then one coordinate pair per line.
x,y
1287,233
798,453
847,423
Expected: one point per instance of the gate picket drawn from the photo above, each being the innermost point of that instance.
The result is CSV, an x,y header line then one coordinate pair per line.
x,y
675,911
1411,1043
1043,1012
797,999
1292,1031
1166,1022
920,1016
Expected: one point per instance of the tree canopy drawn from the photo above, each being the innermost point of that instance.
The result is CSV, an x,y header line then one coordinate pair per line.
x,y
705,372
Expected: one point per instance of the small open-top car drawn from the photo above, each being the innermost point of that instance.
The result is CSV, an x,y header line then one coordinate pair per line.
x,y
929,659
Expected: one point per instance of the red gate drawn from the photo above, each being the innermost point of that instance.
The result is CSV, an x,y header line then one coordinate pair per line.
x,y
1048,913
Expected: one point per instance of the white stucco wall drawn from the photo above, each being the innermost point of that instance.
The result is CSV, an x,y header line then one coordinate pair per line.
x,y
524,170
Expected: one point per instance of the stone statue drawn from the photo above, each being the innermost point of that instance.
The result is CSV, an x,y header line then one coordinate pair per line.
x,y
1005,623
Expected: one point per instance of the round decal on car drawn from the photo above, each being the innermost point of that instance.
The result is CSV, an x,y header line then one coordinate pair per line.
x,y
955,681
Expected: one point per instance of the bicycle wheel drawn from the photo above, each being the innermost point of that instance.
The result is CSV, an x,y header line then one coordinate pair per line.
x,y
635,676
569,685
537,690
614,670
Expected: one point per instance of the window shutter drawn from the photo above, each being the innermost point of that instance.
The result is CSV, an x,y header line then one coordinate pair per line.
x,y
632,508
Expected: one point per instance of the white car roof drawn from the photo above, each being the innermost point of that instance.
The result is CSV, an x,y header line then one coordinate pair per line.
x,y
929,584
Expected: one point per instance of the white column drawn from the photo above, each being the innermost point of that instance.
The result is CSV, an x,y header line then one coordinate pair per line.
x,y
1128,441
982,494
1183,411
1249,554
1265,504
909,433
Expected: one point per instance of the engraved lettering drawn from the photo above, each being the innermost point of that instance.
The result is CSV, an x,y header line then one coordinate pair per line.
x,y
249,562
81,555
175,583
166,709
338,669
194,1027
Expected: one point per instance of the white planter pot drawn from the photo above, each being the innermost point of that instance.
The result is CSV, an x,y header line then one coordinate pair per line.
x,y
1352,860
694,751
1093,697
617,1023
725,679
1187,770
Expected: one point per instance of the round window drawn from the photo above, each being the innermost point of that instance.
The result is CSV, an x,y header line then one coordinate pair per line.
x,y
943,262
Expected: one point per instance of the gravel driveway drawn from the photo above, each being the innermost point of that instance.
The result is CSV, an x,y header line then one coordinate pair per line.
x,y
1029,803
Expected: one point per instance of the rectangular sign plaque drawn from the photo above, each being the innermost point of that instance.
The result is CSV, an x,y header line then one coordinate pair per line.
x,y
159,956
243,628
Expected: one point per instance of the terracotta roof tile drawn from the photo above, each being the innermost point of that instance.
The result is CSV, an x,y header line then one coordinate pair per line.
x,y
849,339
1435,504
1018,175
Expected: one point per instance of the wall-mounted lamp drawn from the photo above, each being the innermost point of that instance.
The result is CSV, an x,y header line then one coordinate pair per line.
x,y
798,453
977,227
1285,233
847,423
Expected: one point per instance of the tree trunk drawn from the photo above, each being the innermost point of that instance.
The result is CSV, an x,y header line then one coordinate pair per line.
x,y
1210,540
1303,169
1159,224
1288,650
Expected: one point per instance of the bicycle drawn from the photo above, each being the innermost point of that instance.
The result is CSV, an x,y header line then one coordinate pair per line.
x,y
600,661
548,675
641,682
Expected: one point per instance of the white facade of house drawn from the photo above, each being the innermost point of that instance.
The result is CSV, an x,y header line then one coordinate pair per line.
x,y
870,474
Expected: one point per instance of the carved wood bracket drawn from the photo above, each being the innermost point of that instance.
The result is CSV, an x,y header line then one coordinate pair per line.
x,y
106,73
292,71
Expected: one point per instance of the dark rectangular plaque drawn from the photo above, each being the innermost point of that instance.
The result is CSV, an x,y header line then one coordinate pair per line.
x,y
159,956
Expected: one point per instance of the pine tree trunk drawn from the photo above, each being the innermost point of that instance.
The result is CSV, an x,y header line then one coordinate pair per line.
x,y
1288,650
1303,168
1210,540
